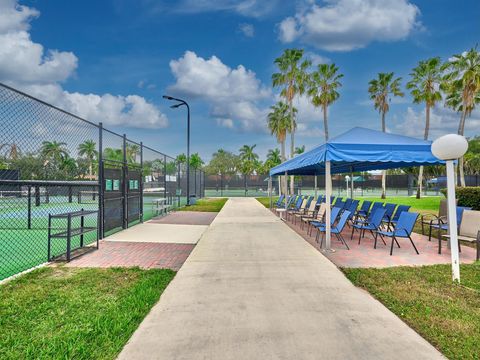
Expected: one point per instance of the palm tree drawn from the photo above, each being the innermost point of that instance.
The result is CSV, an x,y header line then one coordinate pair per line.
x,y
424,87
300,150
462,88
196,161
88,149
325,82
10,151
113,154
380,90
273,159
248,161
293,79
279,123
132,150
53,150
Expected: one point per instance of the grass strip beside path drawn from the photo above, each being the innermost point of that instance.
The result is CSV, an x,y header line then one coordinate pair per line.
x,y
425,204
445,314
71,313
207,205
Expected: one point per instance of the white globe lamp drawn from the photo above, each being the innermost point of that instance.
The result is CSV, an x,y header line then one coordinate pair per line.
x,y
449,148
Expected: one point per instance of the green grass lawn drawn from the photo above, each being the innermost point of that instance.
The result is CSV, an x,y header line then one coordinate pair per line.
x,y
445,314
265,201
208,205
69,313
425,204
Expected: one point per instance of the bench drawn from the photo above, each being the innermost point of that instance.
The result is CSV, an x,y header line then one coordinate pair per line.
x,y
469,229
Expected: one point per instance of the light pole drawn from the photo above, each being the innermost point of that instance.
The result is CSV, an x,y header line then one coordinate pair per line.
x,y
449,148
179,103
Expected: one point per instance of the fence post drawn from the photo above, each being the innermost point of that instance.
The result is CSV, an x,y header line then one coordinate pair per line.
x,y
165,177
141,182
124,187
179,185
101,182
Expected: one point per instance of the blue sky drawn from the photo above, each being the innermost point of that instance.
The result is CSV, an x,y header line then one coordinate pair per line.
x,y
113,60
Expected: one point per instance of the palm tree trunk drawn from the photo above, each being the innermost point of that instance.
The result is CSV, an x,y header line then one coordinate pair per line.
x,y
420,182
292,142
384,127
284,181
90,169
461,129
325,122
425,136
384,172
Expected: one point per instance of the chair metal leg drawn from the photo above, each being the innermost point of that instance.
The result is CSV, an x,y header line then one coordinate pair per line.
x,y
391,247
318,234
342,240
353,230
413,245
430,233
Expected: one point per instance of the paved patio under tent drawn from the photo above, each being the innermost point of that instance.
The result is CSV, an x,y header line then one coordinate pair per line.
x,y
364,255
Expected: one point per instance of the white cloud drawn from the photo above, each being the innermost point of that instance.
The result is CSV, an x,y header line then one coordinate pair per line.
x,y
250,8
27,65
442,121
233,93
247,29
343,25
317,59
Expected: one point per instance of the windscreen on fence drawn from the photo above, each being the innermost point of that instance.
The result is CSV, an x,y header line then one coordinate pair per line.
x,y
53,162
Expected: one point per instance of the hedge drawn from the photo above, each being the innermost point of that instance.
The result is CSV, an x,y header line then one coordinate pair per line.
x,y
467,196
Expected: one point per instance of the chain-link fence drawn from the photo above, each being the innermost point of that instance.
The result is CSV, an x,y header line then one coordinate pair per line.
x,y
367,185
53,163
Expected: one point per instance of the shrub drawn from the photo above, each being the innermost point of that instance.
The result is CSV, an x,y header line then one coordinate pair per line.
x,y
467,196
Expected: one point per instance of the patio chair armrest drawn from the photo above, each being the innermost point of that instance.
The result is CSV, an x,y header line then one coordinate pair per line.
x,y
398,230
428,217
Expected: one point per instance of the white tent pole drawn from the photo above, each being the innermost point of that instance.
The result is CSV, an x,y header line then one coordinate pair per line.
x,y
352,187
328,193
452,220
316,187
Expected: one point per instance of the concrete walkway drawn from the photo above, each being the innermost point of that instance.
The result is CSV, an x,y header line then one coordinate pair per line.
x,y
254,289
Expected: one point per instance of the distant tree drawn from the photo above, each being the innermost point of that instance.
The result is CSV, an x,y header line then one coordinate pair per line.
x,y
53,150
279,123
292,78
88,150
380,90
113,154
223,163
300,150
273,159
461,85
181,159
132,151
424,86
323,90
196,161
472,157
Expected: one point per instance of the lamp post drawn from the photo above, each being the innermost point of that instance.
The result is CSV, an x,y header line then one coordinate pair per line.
x,y
449,148
179,103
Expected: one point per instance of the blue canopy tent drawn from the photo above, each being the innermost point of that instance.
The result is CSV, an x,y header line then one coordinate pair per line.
x,y
358,149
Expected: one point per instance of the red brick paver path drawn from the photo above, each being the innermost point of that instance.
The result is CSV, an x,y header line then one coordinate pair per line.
x,y
364,255
129,254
